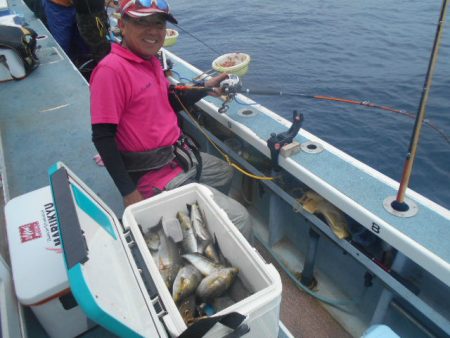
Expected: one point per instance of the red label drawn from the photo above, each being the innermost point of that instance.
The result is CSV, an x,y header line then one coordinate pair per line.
x,y
57,250
29,232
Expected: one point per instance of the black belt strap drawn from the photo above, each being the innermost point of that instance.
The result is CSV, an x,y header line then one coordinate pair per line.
x,y
185,151
148,160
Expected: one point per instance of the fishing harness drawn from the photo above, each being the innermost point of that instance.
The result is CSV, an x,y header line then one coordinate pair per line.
x,y
184,151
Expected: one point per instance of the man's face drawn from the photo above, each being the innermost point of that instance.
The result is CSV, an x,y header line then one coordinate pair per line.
x,y
143,36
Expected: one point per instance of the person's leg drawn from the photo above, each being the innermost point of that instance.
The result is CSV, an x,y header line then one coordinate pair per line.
x,y
79,51
217,174
61,21
37,8
236,212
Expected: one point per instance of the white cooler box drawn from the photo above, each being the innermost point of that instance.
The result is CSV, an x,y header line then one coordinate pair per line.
x,y
113,276
39,274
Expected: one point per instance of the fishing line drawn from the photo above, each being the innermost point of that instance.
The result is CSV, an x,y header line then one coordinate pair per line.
x,y
199,40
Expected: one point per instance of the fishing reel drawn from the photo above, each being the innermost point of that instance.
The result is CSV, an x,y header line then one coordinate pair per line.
x,y
230,88
232,85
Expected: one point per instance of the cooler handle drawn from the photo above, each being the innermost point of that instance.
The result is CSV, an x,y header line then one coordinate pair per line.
x,y
74,242
233,320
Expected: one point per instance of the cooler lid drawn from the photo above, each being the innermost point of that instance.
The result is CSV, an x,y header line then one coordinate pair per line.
x,y
103,275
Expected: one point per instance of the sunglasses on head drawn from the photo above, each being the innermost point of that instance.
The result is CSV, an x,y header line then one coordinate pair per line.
x,y
158,5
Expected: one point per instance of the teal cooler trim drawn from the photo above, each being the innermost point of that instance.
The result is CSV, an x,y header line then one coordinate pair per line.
x,y
53,169
86,300
97,214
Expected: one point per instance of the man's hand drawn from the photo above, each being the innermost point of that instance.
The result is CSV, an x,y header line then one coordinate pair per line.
x,y
132,198
215,82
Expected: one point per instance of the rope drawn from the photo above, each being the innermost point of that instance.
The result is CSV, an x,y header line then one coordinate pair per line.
x,y
339,304
224,155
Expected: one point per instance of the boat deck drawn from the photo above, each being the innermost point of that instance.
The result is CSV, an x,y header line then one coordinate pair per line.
x,y
45,118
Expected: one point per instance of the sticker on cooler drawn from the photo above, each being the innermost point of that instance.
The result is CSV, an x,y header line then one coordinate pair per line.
x,y
47,227
29,231
51,227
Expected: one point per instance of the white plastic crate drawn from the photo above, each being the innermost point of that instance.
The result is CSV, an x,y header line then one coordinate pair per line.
x,y
261,307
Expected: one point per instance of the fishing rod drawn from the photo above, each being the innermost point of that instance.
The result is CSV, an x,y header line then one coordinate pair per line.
x,y
232,86
364,103
399,203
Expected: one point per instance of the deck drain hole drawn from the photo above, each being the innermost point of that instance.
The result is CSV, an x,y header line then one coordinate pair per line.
x,y
246,112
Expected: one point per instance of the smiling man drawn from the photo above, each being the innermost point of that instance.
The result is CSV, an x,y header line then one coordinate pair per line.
x,y
144,28
134,122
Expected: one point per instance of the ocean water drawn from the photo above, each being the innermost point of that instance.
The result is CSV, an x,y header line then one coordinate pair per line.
x,y
356,49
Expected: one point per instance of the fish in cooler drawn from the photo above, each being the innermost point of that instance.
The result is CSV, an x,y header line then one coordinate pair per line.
x,y
189,241
217,279
169,260
203,264
187,309
193,269
199,223
152,239
211,253
216,283
186,282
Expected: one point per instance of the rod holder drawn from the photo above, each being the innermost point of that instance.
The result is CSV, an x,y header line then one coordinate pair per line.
x,y
407,208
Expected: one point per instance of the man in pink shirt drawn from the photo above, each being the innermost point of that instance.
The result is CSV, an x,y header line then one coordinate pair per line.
x,y
134,123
